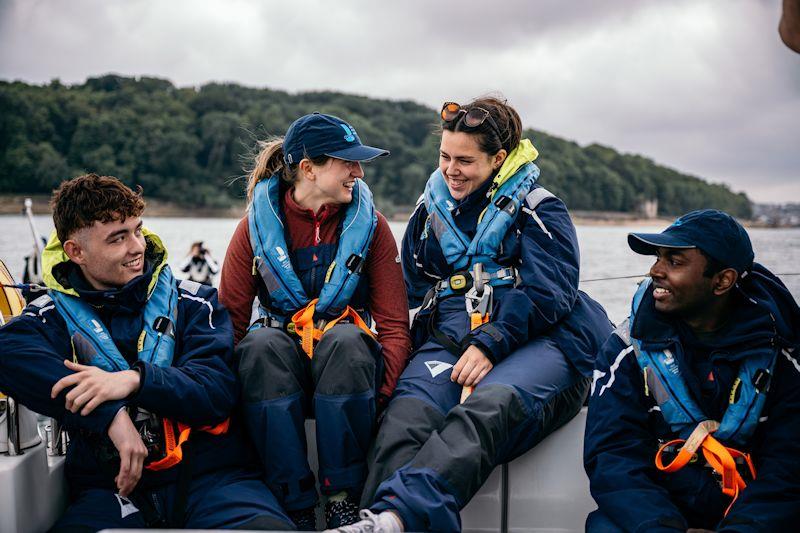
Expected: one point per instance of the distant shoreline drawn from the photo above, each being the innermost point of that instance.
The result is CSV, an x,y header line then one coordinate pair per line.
x,y
11,204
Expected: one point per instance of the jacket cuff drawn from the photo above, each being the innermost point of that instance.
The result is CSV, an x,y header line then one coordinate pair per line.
x,y
141,367
485,349
98,420
490,340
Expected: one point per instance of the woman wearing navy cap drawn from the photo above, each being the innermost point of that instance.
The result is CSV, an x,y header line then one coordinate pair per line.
x,y
492,258
322,263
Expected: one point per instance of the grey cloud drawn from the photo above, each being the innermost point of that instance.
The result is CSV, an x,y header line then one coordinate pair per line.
x,y
699,85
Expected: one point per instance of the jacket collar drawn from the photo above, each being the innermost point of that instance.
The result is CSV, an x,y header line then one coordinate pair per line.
x,y
325,212
754,320
59,272
130,297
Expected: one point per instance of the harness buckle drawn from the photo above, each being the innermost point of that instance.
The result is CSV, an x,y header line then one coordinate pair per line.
x,y
479,303
354,263
163,325
761,379
479,298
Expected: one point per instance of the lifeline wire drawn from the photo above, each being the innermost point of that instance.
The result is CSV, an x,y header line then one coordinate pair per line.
x,y
645,275
37,287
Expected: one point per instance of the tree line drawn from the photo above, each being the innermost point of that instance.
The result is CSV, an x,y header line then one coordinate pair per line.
x,y
193,145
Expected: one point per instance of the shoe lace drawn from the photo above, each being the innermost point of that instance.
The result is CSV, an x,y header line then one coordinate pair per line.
x,y
368,524
345,509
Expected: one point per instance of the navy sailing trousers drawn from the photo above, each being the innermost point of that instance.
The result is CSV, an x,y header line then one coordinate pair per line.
x,y
232,498
282,387
432,454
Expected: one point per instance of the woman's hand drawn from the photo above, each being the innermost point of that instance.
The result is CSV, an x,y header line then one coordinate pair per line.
x,y
471,367
93,386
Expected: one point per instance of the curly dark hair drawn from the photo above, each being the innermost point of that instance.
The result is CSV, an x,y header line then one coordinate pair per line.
x,y
79,202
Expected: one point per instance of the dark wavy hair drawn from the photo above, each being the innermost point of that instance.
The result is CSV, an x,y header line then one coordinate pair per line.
x,y
79,202
490,140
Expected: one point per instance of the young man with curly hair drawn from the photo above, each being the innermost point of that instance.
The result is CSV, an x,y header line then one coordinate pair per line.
x,y
139,368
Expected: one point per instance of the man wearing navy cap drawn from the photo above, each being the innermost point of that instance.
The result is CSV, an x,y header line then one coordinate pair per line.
x,y
695,401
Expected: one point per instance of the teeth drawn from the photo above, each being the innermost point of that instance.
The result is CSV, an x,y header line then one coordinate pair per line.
x,y
660,291
133,263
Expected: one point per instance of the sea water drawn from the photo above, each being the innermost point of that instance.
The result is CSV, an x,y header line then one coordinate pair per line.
x,y
604,251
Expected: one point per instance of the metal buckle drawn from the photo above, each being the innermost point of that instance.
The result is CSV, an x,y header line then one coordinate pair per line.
x,y
479,298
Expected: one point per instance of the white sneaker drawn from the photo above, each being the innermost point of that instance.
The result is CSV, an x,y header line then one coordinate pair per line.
x,y
384,522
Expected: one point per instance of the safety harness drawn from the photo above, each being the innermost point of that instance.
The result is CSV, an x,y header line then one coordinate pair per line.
x,y
474,260
93,345
271,262
664,381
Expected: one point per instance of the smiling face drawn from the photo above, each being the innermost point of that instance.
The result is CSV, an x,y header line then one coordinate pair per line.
x,y
464,166
331,182
110,254
679,284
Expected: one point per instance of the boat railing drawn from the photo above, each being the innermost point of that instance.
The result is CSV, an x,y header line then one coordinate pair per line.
x,y
12,426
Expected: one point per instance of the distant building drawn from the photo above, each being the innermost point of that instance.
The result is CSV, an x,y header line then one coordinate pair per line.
x,y
648,208
777,215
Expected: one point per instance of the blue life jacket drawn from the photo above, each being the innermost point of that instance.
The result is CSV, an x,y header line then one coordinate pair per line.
x,y
271,253
93,342
458,249
664,381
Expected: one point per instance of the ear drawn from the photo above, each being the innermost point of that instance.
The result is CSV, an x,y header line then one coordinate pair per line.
x,y
74,251
499,158
307,168
724,280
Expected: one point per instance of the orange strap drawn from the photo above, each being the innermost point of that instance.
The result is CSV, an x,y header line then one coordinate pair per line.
x,y
174,450
309,333
475,320
721,458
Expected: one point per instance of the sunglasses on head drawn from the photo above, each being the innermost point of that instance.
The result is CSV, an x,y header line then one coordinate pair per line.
x,y
472,118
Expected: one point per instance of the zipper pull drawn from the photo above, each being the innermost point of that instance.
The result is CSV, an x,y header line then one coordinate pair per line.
x,y
253,271
316,232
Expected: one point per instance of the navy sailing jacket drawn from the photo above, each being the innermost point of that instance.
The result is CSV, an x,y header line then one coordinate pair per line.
x,y
624,426
199,389
543,246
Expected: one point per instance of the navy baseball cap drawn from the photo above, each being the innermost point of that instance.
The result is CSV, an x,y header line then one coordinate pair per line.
x,y
316,135
714,232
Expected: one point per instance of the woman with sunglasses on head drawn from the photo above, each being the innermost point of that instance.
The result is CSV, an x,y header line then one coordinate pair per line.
x,y
321,262
504,339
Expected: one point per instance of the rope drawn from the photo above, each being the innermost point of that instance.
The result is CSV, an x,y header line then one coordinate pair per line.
x,y
23,286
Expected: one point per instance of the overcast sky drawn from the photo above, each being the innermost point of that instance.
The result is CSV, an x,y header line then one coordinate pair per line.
x,y
703,86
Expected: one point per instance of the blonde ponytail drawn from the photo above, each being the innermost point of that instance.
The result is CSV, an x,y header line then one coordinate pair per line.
x,y
268,161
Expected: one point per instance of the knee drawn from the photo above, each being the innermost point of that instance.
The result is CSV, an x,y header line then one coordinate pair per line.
x,y
497,403
344,346
269,365
347,338
263,348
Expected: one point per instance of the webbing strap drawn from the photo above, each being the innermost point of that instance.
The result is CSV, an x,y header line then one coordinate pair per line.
x,y
475,320
174,444
308,331
721,458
